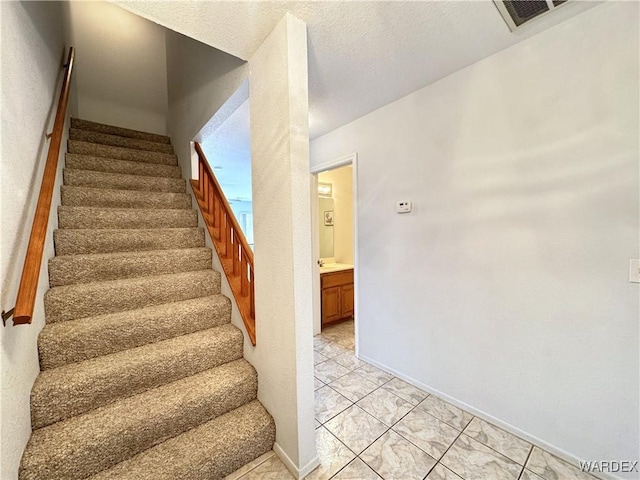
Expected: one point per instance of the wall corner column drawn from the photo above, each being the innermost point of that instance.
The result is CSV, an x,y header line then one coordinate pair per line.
x,y
282,232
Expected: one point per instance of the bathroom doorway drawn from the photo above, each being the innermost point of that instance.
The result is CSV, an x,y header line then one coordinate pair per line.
x,y
334,222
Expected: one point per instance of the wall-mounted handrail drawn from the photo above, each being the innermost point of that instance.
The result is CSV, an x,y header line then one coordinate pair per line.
x,y
230,243
28,288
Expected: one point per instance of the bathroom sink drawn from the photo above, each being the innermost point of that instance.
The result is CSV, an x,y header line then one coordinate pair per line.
x,y
335,267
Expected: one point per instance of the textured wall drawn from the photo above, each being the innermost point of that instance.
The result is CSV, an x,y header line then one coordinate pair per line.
x,y
121,71
506,288
33,48
200,79
282,232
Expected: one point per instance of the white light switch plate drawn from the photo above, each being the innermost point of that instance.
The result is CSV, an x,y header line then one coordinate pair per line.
x,y
634,270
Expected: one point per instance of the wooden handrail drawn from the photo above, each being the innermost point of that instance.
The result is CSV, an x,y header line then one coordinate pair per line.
x,y
230,243
26,298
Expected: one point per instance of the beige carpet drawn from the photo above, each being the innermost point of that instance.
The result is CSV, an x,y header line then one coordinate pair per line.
x,y
142,372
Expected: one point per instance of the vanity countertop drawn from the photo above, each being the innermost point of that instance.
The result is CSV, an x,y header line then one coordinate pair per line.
x,y
335,267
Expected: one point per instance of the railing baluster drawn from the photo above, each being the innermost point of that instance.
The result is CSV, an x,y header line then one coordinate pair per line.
x,y
252,300
210,202
227,236
200,177
206,193
216,219
244,283
223,233
236,255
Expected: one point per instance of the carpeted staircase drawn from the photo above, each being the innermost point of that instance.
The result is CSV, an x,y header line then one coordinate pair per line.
x,y
142,375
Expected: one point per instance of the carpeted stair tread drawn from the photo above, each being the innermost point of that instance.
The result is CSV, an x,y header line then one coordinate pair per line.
x,y
95,217
113,130
73,389
120,181
112,198
79,241
78,340
119,141
97,440
71,302
208,452
119,153
98,267
110,165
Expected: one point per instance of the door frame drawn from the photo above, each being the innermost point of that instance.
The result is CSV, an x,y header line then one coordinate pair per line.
x,y
350,159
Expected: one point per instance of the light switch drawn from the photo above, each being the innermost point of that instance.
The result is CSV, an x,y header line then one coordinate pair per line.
x,y
634,270
403,206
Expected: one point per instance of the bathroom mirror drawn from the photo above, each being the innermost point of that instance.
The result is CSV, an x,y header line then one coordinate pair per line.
x,y
325,226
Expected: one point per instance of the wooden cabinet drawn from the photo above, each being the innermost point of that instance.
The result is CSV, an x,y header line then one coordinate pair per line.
x,y
337,296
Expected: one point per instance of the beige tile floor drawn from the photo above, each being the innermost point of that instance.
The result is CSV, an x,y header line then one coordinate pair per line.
x,y
372,425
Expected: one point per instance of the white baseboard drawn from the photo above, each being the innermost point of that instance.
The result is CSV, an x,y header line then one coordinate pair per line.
x,y
298,473
573,460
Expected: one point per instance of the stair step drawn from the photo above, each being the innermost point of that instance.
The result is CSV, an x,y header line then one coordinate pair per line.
x,y
110,198
94,217
71,302
77,340
120,181
80,241
113,130
74,389
98,267
110,165
119,153
210,451
118,141
132,425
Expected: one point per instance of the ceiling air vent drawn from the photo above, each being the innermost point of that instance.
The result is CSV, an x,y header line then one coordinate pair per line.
x,y
517,12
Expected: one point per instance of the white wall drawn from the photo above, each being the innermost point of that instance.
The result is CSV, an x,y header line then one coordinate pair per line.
x,y
506,289
200,79
121,69
227,146
341,179
282,231
33,49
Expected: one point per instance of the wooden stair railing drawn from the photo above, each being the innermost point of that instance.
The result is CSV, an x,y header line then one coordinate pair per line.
x,y
230,243
26,298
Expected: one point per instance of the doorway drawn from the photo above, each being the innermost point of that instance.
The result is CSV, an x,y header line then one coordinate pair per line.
x,y
334,230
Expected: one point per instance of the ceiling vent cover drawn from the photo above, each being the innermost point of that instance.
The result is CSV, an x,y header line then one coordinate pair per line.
x,y
517,12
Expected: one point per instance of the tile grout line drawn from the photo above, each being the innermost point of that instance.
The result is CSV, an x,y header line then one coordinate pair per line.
x,y
333,416
494,450
525,462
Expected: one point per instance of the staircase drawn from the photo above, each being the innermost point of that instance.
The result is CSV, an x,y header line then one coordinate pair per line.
x,y
142,375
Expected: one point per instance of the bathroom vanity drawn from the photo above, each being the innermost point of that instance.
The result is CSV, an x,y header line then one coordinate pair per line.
x,y
336,284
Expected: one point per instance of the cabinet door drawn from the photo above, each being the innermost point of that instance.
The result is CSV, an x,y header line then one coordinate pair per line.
x,y
347,301
331,304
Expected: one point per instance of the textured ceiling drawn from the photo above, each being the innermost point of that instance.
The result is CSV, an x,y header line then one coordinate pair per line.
x,y
362,55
